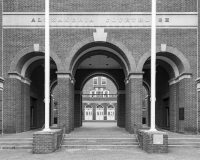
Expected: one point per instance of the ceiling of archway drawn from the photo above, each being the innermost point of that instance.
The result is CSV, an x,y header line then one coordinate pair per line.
x,y
99,62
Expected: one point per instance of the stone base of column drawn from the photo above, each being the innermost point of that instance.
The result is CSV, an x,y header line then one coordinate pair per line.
x,y
47,141
153,142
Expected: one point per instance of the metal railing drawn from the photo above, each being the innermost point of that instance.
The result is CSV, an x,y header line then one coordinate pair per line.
x,y
99,95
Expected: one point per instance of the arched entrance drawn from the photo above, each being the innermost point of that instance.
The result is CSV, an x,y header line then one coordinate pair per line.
x,y
26,76
93,58
173,81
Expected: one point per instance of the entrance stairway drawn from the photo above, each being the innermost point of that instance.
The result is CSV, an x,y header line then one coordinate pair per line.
x,y
99,143
184,141
16,143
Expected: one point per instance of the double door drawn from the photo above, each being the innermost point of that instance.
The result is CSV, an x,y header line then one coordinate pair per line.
x,y
88,114
111,114
100,114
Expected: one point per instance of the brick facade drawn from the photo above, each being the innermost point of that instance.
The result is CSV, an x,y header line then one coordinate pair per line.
x,y
99,6
67,44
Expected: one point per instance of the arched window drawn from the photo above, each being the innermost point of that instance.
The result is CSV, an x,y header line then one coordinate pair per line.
x,y
88,106
111,107
99,106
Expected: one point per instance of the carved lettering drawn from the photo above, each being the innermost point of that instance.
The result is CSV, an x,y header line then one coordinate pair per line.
x,y
120,20
133,19
127,20
53,19
166,19
33,20
39,20
66,20
91,20
140,20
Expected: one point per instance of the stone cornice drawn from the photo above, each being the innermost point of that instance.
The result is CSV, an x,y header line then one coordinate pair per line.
x,y
179,78
16,75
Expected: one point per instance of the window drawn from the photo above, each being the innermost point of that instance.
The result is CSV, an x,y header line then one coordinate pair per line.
x,y
103,81
95,81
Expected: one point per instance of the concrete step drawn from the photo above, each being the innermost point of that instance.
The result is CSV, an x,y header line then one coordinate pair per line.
x,y
183,142
99,146
16,147
99,143
16,143
101,139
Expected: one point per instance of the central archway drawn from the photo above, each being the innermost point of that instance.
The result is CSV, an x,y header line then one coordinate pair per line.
x,y
117,67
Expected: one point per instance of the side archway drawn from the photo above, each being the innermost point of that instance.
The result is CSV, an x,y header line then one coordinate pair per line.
x,y
172,56
26,56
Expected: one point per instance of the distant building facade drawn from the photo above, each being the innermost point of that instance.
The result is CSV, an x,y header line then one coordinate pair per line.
x,y
99,99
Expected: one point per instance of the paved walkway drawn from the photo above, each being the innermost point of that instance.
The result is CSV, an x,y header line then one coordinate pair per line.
x,y
98,154
100,129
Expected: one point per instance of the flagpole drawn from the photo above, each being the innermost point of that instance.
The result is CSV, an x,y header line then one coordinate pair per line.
x,y
47,67
153,65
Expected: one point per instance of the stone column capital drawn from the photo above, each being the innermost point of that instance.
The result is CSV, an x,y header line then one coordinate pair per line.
x,y
1,83
133,76
198,84
66,75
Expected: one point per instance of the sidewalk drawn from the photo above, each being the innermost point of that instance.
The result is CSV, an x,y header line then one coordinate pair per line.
x,y
106,154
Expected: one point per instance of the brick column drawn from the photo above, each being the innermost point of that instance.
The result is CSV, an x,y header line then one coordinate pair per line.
x,y
1,104
134,102
77,109
120,109
174,109
26,106
65,101
72,103
16,116
183,104
187,100
198,103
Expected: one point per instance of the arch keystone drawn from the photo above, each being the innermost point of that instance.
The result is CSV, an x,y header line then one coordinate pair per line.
x,y
100,35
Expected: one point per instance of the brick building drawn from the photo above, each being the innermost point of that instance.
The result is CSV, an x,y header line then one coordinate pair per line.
x,y
99,99
116,33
